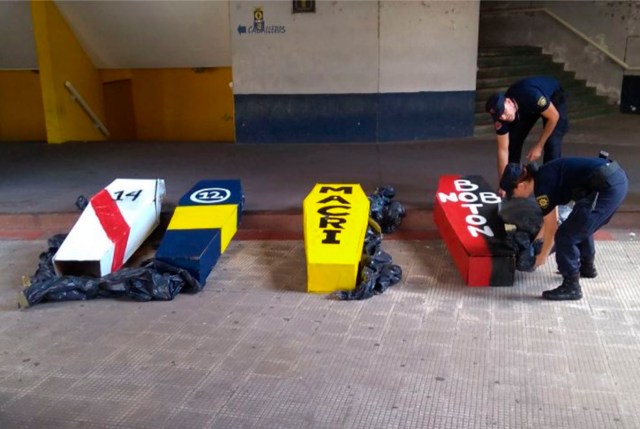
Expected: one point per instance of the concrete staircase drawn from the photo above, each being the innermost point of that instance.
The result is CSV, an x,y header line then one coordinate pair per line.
x,y
499,67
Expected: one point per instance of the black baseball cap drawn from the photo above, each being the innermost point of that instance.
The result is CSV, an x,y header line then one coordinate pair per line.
x,y
510,176
495,105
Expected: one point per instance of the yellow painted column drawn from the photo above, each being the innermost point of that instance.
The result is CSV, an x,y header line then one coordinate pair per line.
x,y
61,59
21,114
184,104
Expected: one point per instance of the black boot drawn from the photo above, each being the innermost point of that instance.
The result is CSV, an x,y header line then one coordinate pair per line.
x,y
569,290
588,270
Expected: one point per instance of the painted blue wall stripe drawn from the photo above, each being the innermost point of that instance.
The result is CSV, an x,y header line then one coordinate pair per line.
x,y
426,115
336,118
318,118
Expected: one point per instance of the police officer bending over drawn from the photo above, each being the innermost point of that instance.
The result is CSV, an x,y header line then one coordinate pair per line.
x,y
518,109
597,185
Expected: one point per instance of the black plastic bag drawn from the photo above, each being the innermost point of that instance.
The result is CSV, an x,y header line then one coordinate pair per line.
x,y
372,239
45,270
524,213
388,214
390,274
81,202
153,280
376,273
525,250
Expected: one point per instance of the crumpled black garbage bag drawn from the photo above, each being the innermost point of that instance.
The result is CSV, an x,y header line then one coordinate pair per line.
x,y
372,239
82,202
45,268
390,274
525,250
153,280
524,213
388,214
376,273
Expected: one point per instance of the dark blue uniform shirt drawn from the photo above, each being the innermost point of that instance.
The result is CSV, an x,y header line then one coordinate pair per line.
x,y
556,180
532,95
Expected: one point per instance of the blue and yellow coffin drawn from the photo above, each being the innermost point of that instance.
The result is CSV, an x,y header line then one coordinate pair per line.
x,y
335,224
203,224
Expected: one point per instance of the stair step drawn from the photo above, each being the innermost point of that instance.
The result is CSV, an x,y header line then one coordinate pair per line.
x,y
593,111
488,129
519,69
486,87
576,97
508,50
510,60
575,112
565,78
588,101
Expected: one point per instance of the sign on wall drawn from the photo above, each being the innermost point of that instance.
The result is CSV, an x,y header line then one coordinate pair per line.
x,y
259,25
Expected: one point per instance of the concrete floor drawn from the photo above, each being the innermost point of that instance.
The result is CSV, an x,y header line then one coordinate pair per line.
x,y
254,350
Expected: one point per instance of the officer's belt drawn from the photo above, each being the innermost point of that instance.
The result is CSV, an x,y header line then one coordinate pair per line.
x,y
597,181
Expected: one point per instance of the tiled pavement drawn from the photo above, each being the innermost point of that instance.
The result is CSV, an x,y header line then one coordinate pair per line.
x,y
254,350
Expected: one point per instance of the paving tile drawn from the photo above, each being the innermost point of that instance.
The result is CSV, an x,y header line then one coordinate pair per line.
x,y
188,420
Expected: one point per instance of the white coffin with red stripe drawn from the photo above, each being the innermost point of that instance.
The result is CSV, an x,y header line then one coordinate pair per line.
x,y
111,228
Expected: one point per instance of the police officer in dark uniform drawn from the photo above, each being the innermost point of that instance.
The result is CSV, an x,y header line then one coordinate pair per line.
x,y
597,185
517,110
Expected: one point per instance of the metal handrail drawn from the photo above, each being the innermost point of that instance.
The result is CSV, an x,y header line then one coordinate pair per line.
x,y
94,118
571,28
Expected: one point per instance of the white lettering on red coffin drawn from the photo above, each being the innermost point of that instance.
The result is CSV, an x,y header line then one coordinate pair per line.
x,y
476,224
113,224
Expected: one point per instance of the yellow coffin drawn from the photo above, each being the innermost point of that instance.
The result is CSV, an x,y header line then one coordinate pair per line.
x,y
335,223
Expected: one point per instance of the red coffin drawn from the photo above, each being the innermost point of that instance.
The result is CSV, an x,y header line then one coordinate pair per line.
x,y
466,214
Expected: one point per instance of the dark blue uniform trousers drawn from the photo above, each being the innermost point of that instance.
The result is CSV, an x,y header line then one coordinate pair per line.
x,y
521,127
574,238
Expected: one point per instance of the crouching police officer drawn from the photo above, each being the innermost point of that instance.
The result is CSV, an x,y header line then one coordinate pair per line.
x,y
597,185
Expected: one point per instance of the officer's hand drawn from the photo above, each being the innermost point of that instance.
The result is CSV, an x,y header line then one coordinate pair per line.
x,y
540,260
534,153
501,193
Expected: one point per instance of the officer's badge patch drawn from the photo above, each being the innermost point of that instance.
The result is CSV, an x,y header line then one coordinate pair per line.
x,y
498,125
543,201
542,101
